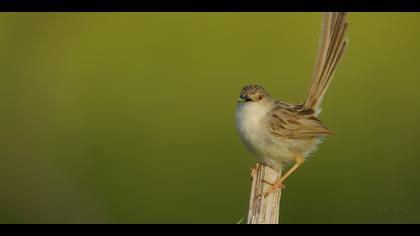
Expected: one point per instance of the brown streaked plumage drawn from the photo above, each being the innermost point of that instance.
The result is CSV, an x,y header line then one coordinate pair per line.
x,y
297,123
279,133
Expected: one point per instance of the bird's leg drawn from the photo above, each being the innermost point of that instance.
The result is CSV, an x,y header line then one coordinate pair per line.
x,y
279,183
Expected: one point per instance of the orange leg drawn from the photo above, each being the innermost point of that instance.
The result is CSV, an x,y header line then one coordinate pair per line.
x,y
279,183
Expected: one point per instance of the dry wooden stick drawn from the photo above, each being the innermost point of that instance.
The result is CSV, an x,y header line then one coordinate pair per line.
x,y
264,210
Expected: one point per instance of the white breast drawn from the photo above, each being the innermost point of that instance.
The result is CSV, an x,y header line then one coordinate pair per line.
x,y
249,118
252,125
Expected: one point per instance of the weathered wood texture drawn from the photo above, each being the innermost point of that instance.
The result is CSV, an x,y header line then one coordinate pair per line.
x,y
264,210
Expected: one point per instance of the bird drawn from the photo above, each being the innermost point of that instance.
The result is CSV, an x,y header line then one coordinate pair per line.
x,y
283,134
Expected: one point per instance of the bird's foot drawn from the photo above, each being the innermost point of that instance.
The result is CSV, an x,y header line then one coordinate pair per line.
x,y
254,169
274,186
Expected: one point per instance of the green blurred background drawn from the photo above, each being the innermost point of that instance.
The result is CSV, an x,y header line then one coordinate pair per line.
x,y
130,117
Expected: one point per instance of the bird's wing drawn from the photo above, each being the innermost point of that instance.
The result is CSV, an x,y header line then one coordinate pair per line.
x,y
332,45
296,122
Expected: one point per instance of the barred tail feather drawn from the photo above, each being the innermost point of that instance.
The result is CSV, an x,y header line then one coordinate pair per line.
x,y
333,43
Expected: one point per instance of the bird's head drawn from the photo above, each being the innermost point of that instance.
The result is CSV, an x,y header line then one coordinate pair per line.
x,y
253,93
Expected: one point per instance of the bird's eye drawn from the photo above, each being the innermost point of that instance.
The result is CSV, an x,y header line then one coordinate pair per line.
x,y
260,97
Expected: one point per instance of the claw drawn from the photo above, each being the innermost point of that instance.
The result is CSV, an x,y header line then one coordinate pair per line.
x,y
274,187
254,169
268,182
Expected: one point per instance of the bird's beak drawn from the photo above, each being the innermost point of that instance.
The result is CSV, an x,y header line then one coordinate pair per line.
x,y
241,99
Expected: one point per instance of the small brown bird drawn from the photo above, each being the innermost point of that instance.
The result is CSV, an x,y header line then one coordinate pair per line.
x,y
279,133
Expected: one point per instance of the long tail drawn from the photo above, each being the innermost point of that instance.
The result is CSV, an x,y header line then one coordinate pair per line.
x,y
332,45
